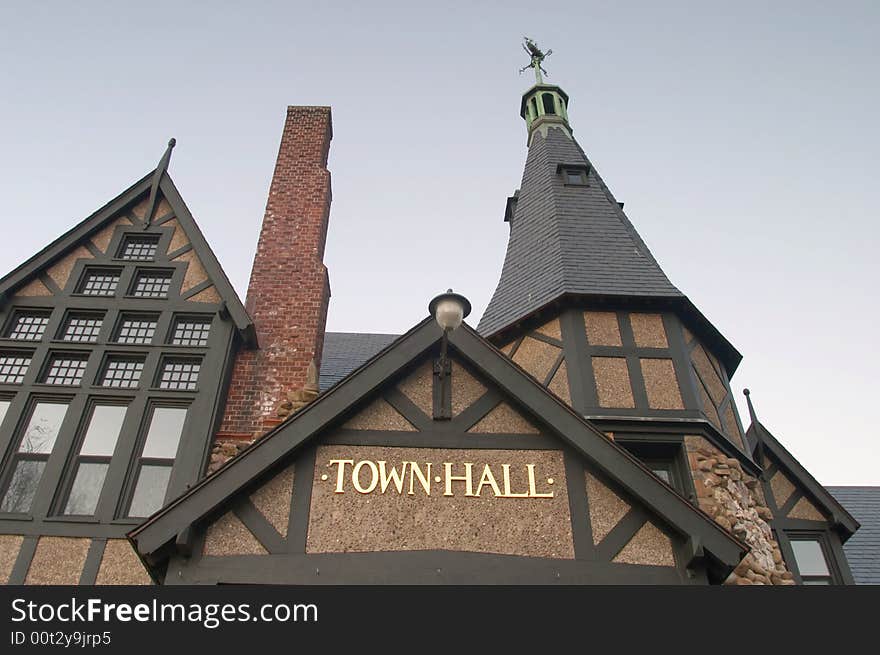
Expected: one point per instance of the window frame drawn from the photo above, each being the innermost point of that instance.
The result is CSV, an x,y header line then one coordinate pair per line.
x,y
128,237
72,314
158,273
177,359
207,319
834,576
28,354
82,282
15,455
80,355
75,456
655,451
17,313
139,316
138,461
113,356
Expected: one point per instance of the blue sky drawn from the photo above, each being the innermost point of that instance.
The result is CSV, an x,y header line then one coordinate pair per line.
x,y
741,136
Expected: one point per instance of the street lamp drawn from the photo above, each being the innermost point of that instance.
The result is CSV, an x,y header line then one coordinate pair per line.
x,y
449,310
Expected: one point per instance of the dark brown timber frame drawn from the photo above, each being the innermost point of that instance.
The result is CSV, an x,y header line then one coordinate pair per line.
x,y
161,537
230,326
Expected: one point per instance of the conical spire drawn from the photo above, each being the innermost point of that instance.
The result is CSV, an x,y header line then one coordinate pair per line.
x,y
568,234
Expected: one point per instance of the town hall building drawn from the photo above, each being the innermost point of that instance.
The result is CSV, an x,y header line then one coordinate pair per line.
x,y
156,429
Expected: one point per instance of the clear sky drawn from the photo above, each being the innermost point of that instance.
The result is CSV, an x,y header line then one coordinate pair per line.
x,y
743,138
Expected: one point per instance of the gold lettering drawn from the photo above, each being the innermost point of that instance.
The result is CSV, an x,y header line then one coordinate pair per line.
x,y
356,480
386,477
340,472
533,492
424,479
507,492
467,478
488,479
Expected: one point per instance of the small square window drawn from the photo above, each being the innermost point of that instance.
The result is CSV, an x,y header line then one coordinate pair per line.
x,y
65,369
27,325
122,372
13,366
139,247
99,282
151,284
189,331
179,374
575,176
136,329
82,327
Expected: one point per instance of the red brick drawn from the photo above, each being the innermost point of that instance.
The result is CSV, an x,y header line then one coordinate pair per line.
x,y
289,288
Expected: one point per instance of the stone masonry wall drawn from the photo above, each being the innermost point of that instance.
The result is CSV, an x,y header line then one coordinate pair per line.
x,y
734,499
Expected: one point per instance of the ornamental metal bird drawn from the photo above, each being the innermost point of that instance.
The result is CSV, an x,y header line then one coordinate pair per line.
x,y
537,57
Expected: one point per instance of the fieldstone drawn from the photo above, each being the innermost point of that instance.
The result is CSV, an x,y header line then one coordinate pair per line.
x,y
724,522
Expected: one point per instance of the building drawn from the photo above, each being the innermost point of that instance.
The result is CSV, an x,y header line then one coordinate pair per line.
x,y
154,427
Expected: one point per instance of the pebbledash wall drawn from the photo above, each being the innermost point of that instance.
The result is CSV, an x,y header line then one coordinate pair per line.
x,y
638,373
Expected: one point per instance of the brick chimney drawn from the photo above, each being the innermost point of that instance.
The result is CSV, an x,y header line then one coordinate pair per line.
x,y
289,288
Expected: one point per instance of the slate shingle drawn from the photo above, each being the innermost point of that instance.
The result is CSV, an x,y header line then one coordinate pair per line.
x,y
568,240
345,351
863,548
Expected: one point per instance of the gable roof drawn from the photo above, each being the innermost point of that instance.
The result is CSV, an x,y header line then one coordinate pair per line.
x,y
156,535
863,549
160,180
576,240
760,438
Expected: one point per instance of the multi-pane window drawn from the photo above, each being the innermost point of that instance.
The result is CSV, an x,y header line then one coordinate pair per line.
x,y
151,284
156,460
83,327
99,282
139,247
90,468
13,366
191,331
811,561
4,407
36,442
179,374
136,328
122,372
65,368
27,325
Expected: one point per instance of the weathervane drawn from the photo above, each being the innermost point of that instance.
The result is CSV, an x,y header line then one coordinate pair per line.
x,y
537,58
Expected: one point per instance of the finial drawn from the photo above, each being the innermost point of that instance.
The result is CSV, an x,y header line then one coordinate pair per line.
x,y
157,177
752,415
537,58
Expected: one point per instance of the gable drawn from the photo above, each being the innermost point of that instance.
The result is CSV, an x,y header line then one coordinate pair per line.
x,y
796,498
375,476
388,479
97,242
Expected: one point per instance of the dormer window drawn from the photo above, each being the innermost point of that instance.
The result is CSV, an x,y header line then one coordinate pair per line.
x,y
575,176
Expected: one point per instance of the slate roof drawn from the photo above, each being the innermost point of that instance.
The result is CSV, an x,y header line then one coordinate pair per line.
x,y
345,351
567,239
863,548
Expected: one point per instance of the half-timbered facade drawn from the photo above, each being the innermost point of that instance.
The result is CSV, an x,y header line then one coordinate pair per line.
x,y
585,432
116,342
